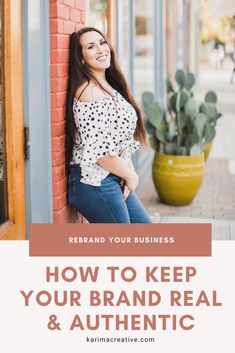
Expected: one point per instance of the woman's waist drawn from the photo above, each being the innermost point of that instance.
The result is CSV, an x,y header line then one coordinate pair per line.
x,y
83,173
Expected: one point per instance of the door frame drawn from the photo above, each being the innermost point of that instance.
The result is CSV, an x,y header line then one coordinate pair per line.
x,y
15,226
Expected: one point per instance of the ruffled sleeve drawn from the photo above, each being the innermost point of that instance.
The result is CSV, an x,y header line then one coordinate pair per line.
x,y
93,125
134,146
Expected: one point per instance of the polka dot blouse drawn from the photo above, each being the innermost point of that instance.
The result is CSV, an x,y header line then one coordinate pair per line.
x,y
105,127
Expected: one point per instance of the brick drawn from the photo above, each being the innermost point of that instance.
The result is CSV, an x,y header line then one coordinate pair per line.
x,y
70,3
59,217
78,26
59,202
58,129
58,143
59,84
53,42
53,70
69,27
59,56
56,217
80,4
56,26
58,158
66,215
53,10
83,17
59,70
59,11
54,85
59,41
60,187
58,99
66,16
58,173
57,114
75,15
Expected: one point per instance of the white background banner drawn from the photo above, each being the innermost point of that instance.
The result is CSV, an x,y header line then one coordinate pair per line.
x,y
25,328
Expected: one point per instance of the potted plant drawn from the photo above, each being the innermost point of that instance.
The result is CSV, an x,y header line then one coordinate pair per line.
x,y
179,136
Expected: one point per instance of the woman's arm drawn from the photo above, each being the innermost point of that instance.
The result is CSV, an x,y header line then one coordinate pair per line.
x,y
130,165
116,166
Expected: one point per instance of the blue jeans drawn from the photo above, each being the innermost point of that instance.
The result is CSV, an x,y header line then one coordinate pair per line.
x,y
105,203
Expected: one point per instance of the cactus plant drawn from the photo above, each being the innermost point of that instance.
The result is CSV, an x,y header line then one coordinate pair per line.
x,y
186,126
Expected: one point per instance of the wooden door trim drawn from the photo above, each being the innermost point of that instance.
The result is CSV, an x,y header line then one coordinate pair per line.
x,y
15,228
111,21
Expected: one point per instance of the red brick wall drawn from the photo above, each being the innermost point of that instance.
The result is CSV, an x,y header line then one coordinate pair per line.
x,y
66,16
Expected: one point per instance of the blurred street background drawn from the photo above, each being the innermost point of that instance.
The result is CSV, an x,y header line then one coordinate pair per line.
x,y
215,202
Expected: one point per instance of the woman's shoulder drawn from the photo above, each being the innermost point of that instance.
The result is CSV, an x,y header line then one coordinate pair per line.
x,y
88,93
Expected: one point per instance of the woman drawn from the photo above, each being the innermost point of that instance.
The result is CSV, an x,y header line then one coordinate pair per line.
x,y
104,127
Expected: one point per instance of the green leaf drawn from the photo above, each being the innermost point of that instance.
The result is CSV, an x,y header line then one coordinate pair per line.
x,y
148,126
211,97
181,151
172,130
169,87
147,98
181,120
209,133
194,138
178,95
189,81
172,102
170,148
191,107
199,122
184,97
202,108
161,133
154,114
209,110
180,78
190,125
166,118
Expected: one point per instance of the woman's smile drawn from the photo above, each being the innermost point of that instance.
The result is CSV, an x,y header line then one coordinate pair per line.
x,y
102,57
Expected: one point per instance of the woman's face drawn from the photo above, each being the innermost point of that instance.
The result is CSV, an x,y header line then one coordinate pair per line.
x,y
95,50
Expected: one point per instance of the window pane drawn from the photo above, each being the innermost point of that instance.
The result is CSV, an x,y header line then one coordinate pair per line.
x,y
144,53
3,200
98,14
180,35
123,44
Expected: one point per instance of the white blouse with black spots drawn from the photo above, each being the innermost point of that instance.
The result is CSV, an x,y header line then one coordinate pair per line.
x,y
105,127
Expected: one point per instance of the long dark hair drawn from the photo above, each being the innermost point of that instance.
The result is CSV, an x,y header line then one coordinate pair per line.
x,y
80,73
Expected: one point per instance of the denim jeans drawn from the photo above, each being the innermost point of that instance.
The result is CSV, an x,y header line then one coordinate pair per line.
x,y
105,203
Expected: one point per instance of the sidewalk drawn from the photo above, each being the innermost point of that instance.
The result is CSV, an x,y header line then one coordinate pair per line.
x,y
215,201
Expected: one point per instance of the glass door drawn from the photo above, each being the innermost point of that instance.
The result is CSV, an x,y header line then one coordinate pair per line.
x,y
3,176
12,185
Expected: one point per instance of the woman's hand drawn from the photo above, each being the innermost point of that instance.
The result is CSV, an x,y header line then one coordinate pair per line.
x,y
126,191
132,180
117,166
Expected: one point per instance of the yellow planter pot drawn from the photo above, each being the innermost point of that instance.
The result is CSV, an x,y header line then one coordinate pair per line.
x,y
177,178
207,149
